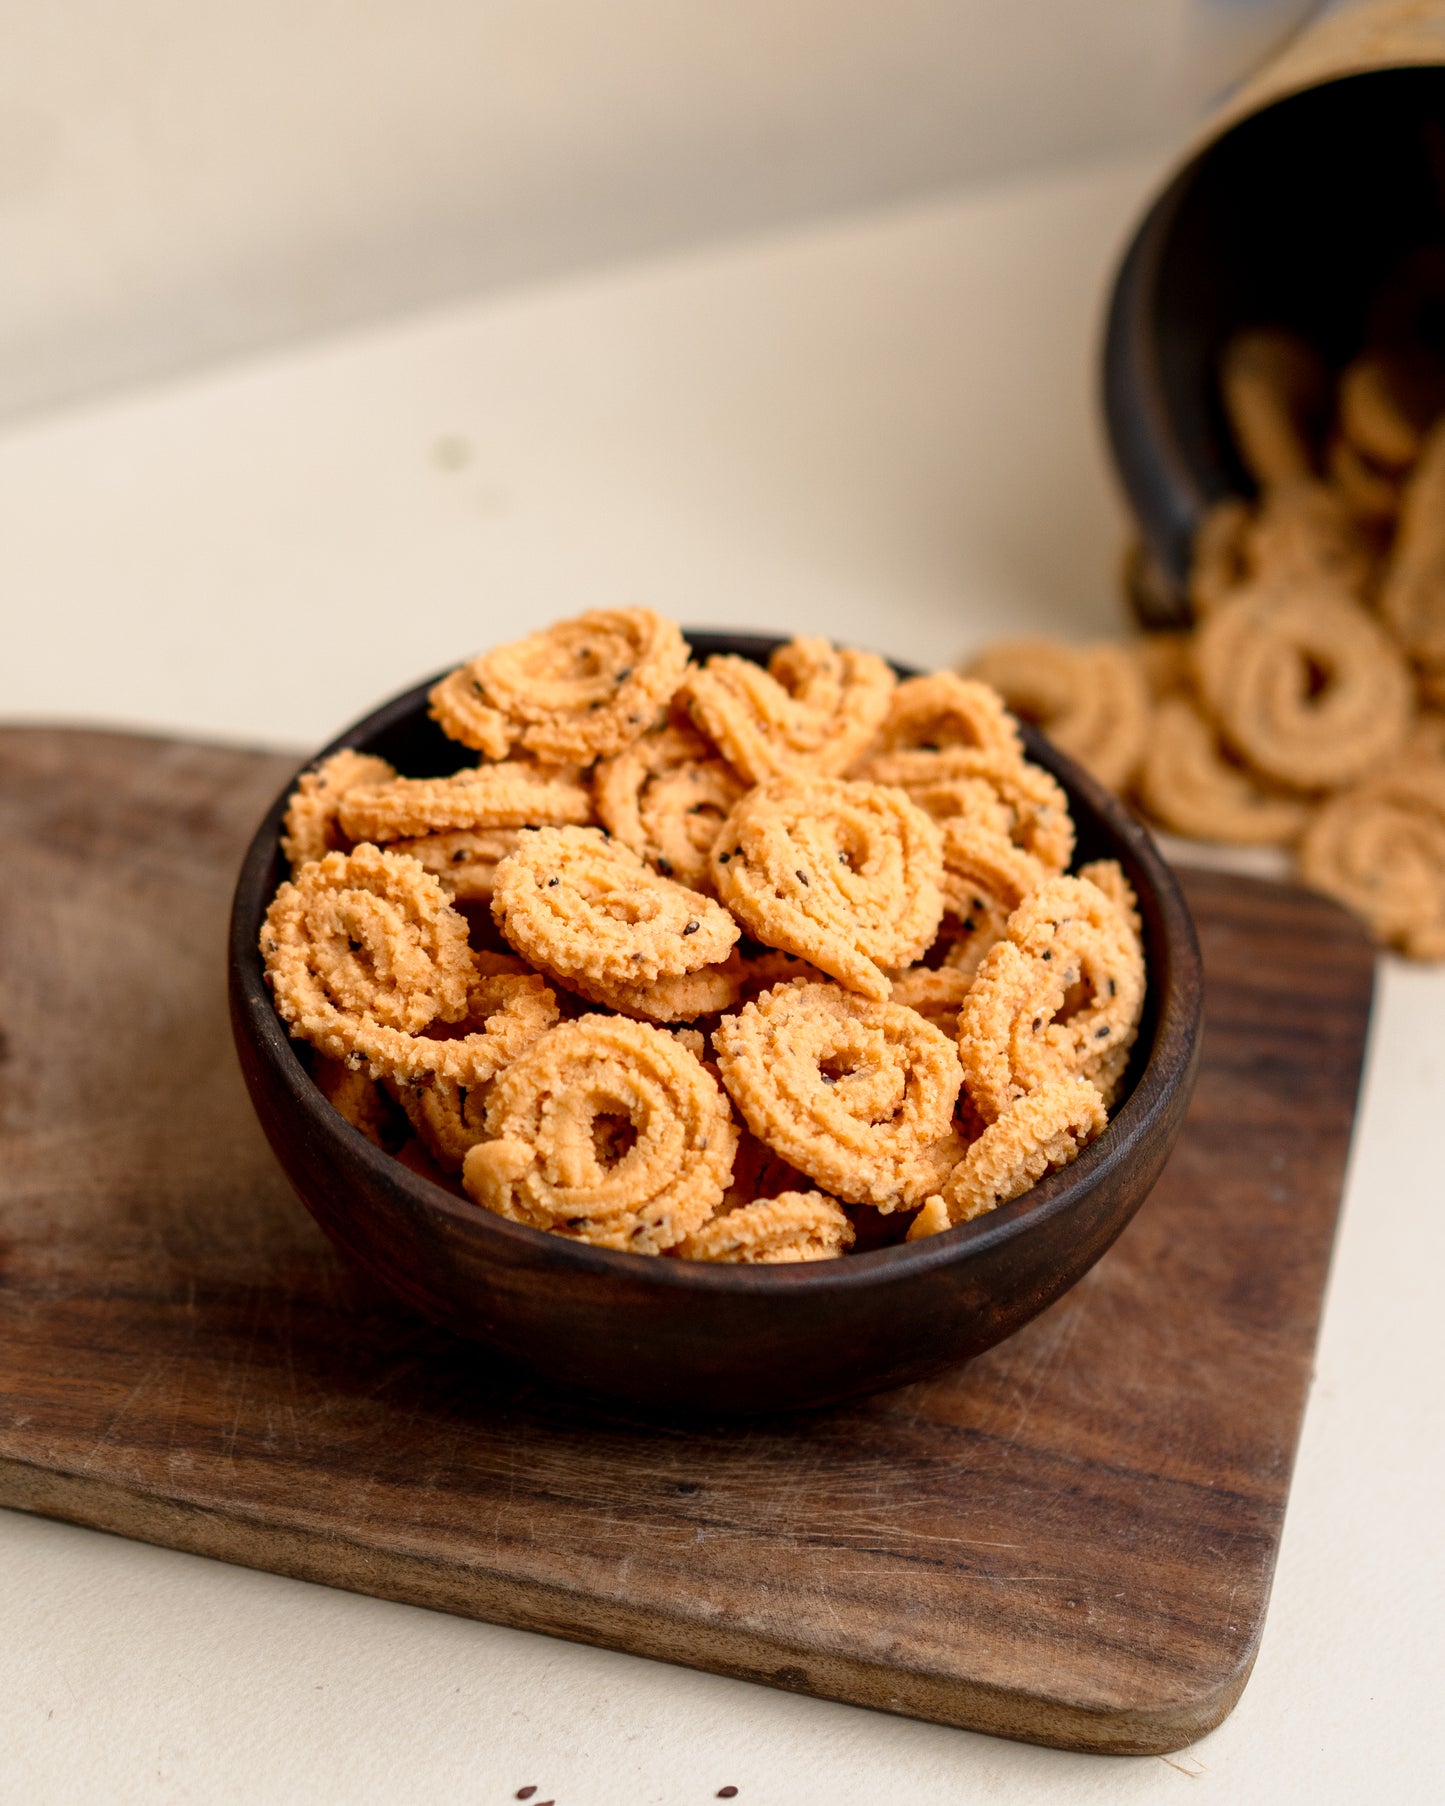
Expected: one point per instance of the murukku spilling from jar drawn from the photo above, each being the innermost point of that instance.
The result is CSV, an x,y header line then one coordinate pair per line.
x,y
608,1131
579,691
794,1226
666,797
858,1095
1380,850
809,714
1188,783
1091,701
1412,596
844,875
1276,394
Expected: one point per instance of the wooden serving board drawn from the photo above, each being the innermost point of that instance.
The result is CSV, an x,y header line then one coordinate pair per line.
x,y
1070,1540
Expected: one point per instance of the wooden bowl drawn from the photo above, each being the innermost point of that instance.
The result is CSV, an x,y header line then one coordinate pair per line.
x,y
682,1335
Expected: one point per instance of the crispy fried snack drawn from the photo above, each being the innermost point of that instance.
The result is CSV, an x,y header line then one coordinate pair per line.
x,y
936,992
1304,685
1039,1134
857,1095
985,878
311,829
1412,597
1035,810
1388,400
1221,561
1059,997
845,875
1276,393
1189,785
810,714
587,909
1305,536
1380,850
1091,701
463,861
796,1225
1373,496
666,796
353,1095
608,1131
363,954
514,794
580,691
928,714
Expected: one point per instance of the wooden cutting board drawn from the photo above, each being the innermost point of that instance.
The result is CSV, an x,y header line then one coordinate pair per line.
x,y
1070,1540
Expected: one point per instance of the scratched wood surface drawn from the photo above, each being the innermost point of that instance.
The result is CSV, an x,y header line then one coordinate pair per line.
x,y
1070,1540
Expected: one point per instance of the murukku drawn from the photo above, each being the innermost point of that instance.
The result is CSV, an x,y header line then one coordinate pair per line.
x,y
1090,700
985,878
1220,563
1059,997
463,861
1275,390
589,910
1372,495
936,992
1038,1134
794,1226
606,1130
311,830
1189,785
810,714
857,1095
844,875
1305,686
459,706
355,1097
666,796
1305,537
1035,809
1380,850
1387,402
1412,596
514,794
942,710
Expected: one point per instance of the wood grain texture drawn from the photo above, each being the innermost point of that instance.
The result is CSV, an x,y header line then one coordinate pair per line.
x,y
1069,1540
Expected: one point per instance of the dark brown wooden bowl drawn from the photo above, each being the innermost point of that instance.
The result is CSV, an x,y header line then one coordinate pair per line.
x,y
682,1335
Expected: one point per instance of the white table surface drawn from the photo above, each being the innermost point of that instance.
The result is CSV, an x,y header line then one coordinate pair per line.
x,y
883,429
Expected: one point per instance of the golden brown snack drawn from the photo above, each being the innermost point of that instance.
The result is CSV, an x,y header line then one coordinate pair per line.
x,y
354,1096
845,875
1371,495
1275,390
985,878
936,992
1306,537
514,794
1039,1134
1388,400
1091,701
1304,685
1035,809
1412,596
1188,784
1108,876
587,909
857,1095
608,1131
810,714
311,829
928,714
459,706
794,1226
463,861
1380,850
1221,561
666,796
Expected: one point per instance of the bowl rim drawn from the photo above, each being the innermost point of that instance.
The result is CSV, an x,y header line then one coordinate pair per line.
x,y
1168,1064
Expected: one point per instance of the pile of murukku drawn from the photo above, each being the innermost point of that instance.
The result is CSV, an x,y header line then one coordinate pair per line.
x,y
1306,708
719,962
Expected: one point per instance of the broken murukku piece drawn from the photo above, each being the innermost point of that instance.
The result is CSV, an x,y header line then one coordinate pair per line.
x,y
794,1226
1035,808
311,829
942,710
607,1131
666,796
1091,701
857,1095
357,1098
1275,390
464,861
513,794
589,910
844,875
1305,686
1380,850
1188,784
809,714
1038,1134
1412,595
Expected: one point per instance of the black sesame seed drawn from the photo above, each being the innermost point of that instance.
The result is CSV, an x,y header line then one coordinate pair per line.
x,y
802,877
1038,1023
458,855
1102,1034
969,925
665,867
624,674
1046,954
1112,987
552,881
692,928
723,858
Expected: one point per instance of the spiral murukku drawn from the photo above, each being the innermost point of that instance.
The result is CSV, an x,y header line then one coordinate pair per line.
x,y
589,910
1305,537
514,794
1275,391
459,706
794,1226
1038,1134
1090,700
1412,596
985,878
1305,686
311,830
857,1095
606,1130
1189,785
810,714
666,796
844,875
1380,850
936,992
463,861
929,714
1035,809
1388,400
1221,562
